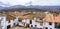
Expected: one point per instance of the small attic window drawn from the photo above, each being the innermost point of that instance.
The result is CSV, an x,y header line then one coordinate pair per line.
x,y
30,21
40,19
50,23
46,28
9,21
20,20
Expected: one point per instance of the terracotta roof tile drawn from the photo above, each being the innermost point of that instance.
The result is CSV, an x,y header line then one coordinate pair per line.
x,y
52,17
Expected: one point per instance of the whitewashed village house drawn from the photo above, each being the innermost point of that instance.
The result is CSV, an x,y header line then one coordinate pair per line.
x,y
52,21
29,20
49,22
6,22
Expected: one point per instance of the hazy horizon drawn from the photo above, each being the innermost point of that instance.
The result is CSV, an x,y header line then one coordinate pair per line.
x,y
7,3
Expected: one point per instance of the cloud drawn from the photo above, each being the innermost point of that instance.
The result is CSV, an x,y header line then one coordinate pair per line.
x,y
34,2
15,2
45,2
3,4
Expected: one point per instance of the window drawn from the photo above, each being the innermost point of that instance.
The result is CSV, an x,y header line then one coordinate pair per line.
x,y
20,20
31,25
35,25
30,21
41,19
46,28
57,25
41,24
27,25
50,23
40,28
9,21
8,26
14,23
50,28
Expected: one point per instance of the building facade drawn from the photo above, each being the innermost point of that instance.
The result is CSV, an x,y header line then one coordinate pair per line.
x,y
7,24
28,21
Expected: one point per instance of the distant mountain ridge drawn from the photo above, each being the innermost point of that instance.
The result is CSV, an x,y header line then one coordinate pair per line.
x,y
1,7
34,7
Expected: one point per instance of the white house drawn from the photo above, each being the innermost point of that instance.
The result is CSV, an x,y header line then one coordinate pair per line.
x,y
31,23
3,22
40,23
43,23
7,24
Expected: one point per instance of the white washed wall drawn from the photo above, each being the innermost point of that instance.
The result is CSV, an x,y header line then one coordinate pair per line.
x,y
33,22
38,25
16,20
3,22
46,24
7,23
21,24
11,23
26,20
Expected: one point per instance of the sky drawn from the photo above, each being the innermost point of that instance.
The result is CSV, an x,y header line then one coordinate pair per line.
x,y
5,3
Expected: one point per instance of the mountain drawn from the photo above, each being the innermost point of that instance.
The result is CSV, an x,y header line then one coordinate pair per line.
x,y
17,6
14,8
1,7
20,7
46,7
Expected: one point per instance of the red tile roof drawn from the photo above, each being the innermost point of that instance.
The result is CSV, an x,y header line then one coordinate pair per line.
x,y
52,18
